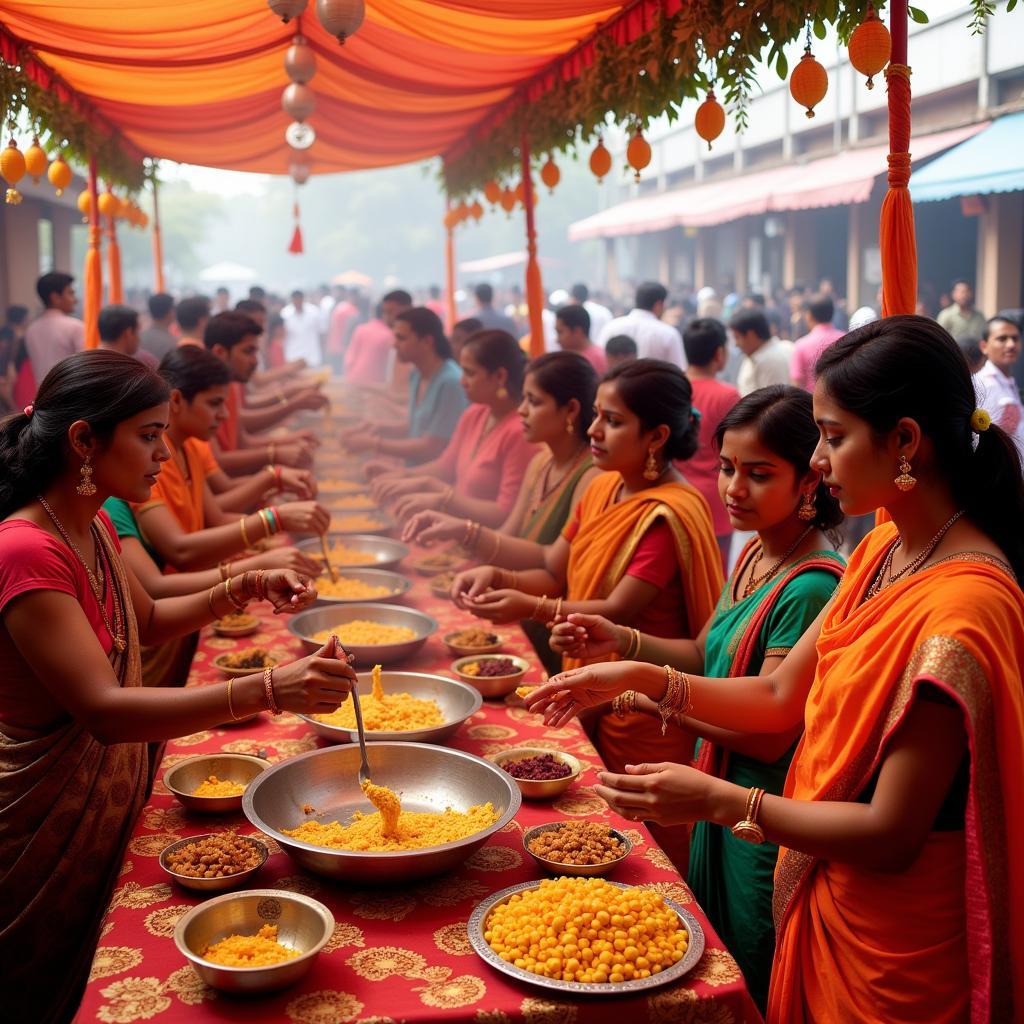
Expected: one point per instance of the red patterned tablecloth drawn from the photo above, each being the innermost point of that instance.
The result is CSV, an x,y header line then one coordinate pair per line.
x,y
397,954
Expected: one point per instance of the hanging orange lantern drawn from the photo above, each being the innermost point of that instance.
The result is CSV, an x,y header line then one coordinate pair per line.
x,y
519,194
870,46
85,205
709,122
449,218
550,174
59,174
492,192
12,167
287,9
638,153
341,18
476,211
508,199
300,61
600,160
108,204
35,160
298,101
809,82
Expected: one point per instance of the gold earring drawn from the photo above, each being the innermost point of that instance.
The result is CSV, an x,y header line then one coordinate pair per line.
x,y
651,471
502,393
807,510
86,488
905,482
570,427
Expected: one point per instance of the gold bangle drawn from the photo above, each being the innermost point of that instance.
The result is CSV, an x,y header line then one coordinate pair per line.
x,y
558,609
264,522
231,707
209,601
268,691
497,548
515,579
236,603
536,611
271,452
245,534
748,829
446,499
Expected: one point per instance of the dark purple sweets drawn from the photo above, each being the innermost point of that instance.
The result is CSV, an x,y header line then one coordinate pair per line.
x,y
542,768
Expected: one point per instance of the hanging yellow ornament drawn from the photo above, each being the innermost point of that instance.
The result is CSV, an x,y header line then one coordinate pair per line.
x,y
12,167
108,204
35,160
709,122
809,82
85,205
870,46
59,174
638,154
600,160
550,174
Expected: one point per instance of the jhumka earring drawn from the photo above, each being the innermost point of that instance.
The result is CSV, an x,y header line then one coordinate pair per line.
x,y
905,482
807,510
651,471
502,393
86,488
570,427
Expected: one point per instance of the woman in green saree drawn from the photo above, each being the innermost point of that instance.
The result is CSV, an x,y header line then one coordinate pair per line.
x,y
783,578
556,410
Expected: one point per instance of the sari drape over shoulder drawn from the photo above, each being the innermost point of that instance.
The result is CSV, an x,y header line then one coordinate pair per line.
x,y
67,807
940,941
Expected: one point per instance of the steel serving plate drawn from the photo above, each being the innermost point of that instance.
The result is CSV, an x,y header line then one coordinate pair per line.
x,y
386,552
307,623
477,925
398,585
428,778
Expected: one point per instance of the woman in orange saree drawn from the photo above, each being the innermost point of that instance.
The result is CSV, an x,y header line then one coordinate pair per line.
x,y
897,895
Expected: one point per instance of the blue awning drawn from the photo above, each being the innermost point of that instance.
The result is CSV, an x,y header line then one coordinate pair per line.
x,y
991,161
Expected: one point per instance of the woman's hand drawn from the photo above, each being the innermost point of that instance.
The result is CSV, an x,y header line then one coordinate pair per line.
x,y
590,686
289,591
290,558
373,469
665,793
427,527
311,399
412,504
502,605
304,517
299,482
397,486
317,684
297,454
588,636
360,438
469,584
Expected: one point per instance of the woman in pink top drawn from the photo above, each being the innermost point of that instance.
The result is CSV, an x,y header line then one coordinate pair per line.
x,y
479,474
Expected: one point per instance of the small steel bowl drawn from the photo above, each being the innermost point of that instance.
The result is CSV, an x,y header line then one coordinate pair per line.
x,y
443,561
303,923
237,673
236,631
184,777
462,651
441,584
428,778
212,884
386,552
585,870
456,700
307,623
541,789
398,585
492,686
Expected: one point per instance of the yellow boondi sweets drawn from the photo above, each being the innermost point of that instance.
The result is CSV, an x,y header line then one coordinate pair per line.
x,y
414,831
356,522
387,803
366,633
354,501
342,486
587,930
391,712
342,555
347,587
212,786
259,950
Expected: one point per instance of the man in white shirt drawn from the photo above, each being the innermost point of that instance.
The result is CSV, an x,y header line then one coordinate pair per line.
x,y
600,316
302,323
654,340
765,359
994,384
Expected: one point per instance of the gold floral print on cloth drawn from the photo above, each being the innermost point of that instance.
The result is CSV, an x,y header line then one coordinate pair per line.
x,y
454,939
659,858
162,922
495,858
441,989
491,732
683,1006
132,999
324,1008
138,897
581,803
344,934
548,1011
110,960
716,967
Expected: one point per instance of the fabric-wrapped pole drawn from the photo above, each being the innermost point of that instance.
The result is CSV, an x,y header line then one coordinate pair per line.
x,y
897,244
534,284
92,276
115,293
158,244
449,268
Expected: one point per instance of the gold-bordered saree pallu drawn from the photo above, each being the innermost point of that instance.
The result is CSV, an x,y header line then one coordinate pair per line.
x,y
941,941
67,807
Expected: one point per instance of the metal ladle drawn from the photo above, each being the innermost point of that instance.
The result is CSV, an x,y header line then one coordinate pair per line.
x,y
364,767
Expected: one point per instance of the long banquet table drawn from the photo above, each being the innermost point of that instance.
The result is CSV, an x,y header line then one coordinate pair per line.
x,y
399,953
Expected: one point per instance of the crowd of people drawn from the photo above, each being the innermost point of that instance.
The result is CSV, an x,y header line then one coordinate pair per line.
x,y
825,736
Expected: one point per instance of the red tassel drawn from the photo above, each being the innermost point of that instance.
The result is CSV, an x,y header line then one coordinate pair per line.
x,y
296,243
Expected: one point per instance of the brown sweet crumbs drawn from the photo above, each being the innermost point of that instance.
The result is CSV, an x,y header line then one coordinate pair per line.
x,y
578,843
215,857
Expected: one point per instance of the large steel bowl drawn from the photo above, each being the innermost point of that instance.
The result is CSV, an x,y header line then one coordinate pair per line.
x,y
307,623
302,923
456,700
386,552
398,585
428,778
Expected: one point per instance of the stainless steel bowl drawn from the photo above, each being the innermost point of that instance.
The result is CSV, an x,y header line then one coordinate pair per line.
x,y
387,553
492,686
456,700
236,673
183,778
428,778
398,585
541,789
212,884
450,640
302,923
583,870
306,624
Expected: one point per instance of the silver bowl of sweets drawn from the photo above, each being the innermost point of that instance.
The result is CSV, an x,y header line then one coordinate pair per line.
x,y
184,778
494,675
577,847
323,786
215,861
303,925
313,626
357,551
540,774
457,702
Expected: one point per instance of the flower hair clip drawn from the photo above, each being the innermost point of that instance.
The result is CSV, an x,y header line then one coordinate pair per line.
x,y
980,421
28,410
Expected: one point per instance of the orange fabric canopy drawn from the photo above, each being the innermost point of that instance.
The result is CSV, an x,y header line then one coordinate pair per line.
x,y
200,81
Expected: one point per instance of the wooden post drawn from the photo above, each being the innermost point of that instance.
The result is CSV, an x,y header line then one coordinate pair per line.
x,y
158,243
92,277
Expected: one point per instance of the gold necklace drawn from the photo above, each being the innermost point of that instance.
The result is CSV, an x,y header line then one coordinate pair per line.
x,y
116,631
546,488
754,582
879,583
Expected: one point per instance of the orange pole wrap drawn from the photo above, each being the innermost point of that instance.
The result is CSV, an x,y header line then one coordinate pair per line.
x,y
449,270
158,245
115,293
897,244
92,276
534,284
